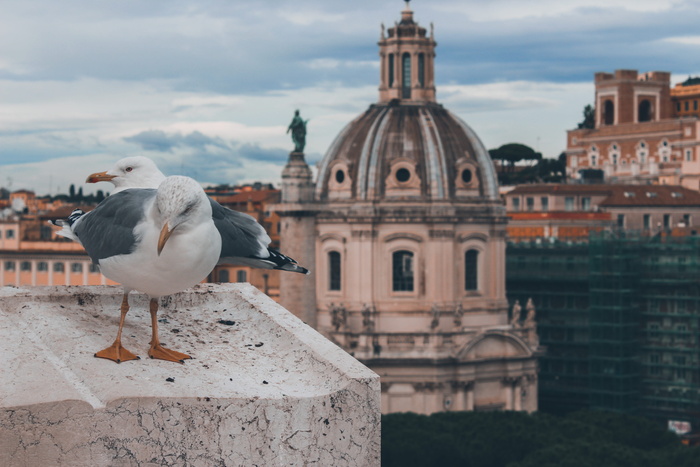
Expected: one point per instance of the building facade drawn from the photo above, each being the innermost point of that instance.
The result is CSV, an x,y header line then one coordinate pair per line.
x,y
570,212
406,230
645,132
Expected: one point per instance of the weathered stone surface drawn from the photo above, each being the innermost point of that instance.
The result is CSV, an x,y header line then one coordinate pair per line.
x,y
263,388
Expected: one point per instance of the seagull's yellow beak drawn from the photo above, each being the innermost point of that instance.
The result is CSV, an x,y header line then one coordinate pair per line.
x,y
99,177
164,236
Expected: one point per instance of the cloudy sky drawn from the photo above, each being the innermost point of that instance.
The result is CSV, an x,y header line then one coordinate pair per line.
x,y
207,87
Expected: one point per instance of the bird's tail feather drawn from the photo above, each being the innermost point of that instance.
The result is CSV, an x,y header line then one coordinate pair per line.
x,y
67,225
276,260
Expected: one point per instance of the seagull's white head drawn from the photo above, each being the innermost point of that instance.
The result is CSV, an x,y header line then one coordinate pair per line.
x,y
181,204
130,172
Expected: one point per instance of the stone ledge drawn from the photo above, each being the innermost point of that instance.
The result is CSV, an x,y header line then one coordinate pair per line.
x,y
263,388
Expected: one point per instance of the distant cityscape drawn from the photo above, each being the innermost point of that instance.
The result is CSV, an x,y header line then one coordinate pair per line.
x,y
473,280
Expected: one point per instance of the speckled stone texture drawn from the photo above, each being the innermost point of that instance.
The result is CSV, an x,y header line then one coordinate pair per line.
x,y
263,388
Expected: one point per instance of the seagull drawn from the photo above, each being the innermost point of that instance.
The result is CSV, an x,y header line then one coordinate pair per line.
x,y
156,241
243,240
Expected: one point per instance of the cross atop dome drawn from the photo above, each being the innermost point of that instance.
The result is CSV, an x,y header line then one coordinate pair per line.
x,y
407,54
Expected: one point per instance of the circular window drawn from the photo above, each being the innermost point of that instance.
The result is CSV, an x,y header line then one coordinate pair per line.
x,y
467,176
403,175
340,176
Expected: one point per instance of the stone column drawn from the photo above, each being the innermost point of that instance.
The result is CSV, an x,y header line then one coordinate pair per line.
x,y
298,238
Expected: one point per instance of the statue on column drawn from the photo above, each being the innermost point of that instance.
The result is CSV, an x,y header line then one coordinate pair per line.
x,y
368,318
515,317
530,318
435,322
458,313
339,317
298,129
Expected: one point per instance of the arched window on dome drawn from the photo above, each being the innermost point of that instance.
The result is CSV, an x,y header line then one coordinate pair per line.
x,y
402,271
471,270
421,70
334,277
406,75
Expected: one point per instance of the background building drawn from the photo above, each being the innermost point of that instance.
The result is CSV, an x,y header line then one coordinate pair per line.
x,y
406,231
569,212
644,131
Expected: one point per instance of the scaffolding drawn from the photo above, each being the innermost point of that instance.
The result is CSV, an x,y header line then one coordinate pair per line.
x,y
619,316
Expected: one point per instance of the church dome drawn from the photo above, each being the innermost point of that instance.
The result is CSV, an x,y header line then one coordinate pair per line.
x,y
406,150
406,146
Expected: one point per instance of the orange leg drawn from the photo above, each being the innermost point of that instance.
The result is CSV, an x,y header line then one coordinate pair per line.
x,y
116,352
157,350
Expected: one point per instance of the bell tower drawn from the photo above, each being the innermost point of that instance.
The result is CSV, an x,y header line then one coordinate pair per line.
x,y
407,55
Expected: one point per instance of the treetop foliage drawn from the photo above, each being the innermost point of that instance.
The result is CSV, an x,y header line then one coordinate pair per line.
x,y
517,439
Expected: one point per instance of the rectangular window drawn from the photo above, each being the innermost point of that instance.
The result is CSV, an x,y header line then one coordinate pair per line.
x,y
421,70
402,277
25,266
333,270
586,203
545,203
687,106
647,221
688,155
667,221
516,204
530,203
471,270
76,267
686,220
9,265
569,203
391,70
621,221
695,105
42,266
9,233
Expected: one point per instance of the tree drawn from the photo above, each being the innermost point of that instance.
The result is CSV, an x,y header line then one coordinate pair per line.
x,y
71,192
588,122
510,154
517,439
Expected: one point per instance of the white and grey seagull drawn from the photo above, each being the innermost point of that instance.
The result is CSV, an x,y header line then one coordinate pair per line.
x,y
156,241
243,240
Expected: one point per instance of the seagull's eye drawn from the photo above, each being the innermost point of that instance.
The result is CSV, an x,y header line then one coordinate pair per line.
x,y
129,169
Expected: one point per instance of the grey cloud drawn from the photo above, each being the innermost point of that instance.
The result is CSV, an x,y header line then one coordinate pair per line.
x,y
158,140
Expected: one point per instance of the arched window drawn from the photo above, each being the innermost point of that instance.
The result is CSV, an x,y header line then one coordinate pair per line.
x,y
333,270
471,270
241,276
402,271
224,276
644,111
609,113
58,267
421,70
406,75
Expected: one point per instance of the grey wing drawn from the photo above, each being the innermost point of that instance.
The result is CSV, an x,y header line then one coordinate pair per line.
x,y
241,235
108,230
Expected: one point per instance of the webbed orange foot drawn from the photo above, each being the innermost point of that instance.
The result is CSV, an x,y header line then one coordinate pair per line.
x,y
117,353
161,353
